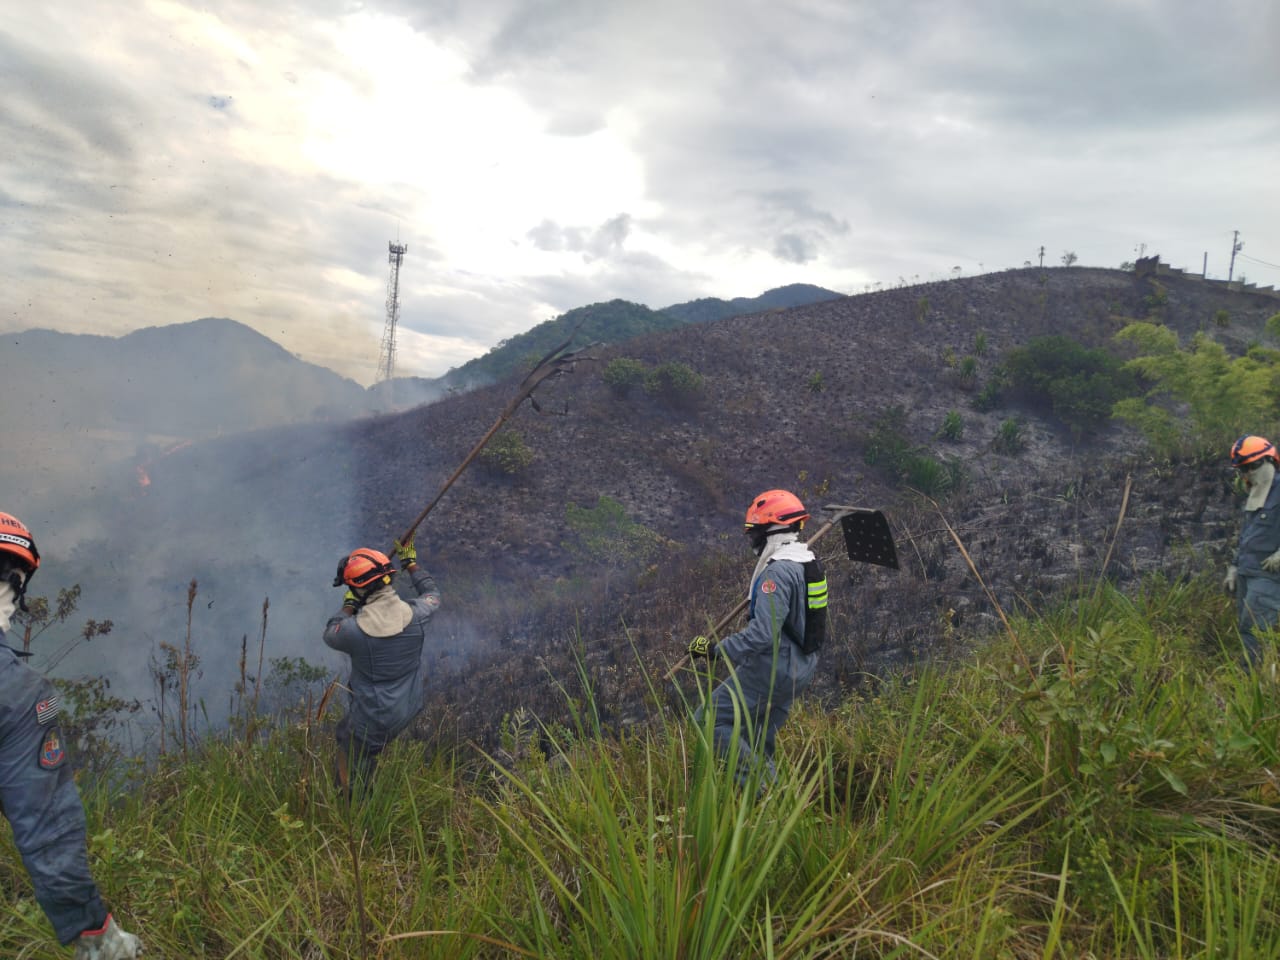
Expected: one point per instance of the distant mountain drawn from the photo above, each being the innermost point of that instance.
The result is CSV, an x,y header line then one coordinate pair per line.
x,y
80,404
779,298
598,322
200,378
613,322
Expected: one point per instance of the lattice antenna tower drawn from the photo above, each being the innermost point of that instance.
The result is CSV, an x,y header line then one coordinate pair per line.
x,y
387,356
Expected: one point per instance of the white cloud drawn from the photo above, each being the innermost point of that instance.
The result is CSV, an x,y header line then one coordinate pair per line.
x,y
169,160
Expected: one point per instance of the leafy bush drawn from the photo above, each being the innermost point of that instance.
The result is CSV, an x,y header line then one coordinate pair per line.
x,y
507,453
1157,299
952,427
1008,438
678,383
1201,398
621,374
1080,385
933,477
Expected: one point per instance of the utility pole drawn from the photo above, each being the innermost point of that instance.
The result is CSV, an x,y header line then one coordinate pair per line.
x,y
1042,254
1236,247
387,356
1204,268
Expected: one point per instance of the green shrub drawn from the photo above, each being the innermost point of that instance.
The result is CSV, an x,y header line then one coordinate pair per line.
x,y
933,477
621,374
1200,398
952,427
1081,386
992,393
816,384
1273,324
678,383
1008,438
507,453
1157,299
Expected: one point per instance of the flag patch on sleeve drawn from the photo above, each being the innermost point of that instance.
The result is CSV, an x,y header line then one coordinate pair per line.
x,y
47,711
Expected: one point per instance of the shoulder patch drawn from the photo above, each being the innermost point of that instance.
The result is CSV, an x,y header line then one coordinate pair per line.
x,y
768,586
52,754
47,711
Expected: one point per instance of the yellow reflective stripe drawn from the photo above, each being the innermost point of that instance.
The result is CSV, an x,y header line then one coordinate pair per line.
x,y
817,594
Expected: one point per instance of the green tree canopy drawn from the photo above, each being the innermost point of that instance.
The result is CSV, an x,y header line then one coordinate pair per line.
x,y
1201,398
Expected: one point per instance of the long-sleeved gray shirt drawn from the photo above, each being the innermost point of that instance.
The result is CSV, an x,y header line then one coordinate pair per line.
x,y
776,613
386,672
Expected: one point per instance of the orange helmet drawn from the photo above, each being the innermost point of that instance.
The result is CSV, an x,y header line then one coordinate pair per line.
x,y
775,507
17,542
363,567
1250,451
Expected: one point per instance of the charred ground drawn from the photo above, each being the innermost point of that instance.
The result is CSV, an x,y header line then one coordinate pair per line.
x,y
788,398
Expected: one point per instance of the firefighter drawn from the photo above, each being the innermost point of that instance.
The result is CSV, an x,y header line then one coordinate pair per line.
x,y
773,659
383,635
37,790
1254,578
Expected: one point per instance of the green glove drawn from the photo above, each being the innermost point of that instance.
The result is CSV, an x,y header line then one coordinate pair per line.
x,y
407,553
702,647
349,599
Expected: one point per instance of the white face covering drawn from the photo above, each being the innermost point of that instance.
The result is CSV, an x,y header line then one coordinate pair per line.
x,y
8,604
1259,483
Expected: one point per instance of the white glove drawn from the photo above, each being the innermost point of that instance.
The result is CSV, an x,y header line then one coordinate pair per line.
x,y
1272,563
109,943
1229,582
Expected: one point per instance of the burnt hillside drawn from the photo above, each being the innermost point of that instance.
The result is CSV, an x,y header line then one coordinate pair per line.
x,y
788,398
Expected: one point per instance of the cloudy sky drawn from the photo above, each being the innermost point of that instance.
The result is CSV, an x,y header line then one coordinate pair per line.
x,y
162,160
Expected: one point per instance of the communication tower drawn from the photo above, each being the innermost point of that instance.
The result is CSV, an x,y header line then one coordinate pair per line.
x,y
387,357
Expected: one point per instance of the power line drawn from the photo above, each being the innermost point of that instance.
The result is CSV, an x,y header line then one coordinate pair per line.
x,y
1245,256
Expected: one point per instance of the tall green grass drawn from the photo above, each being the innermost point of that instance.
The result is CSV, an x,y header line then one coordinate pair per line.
x,y
1098,781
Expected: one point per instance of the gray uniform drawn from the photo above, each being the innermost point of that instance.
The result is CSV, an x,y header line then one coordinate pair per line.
x,y
386,674
39,797
768,669
1258,590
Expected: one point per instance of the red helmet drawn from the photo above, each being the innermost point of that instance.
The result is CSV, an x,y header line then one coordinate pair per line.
x,y
778,507
1249,451
362,567
16,541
